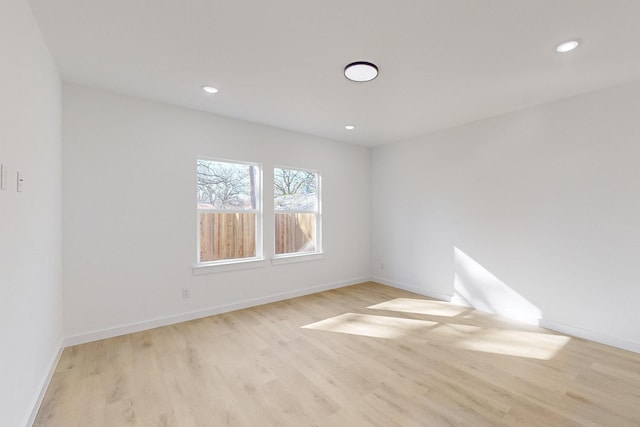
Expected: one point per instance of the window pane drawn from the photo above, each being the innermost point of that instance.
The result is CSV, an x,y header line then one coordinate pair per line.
x,y
295,190
295,232
224,185
227,236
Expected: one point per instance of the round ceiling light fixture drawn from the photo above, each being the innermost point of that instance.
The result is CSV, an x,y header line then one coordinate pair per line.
x,y
361,71
567,46
349,127
209,89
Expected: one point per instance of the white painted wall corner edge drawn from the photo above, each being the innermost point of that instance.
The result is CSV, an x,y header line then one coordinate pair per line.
x,y
544,323
184,317
44,385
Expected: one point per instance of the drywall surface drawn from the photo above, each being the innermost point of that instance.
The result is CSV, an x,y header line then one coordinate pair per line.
x,y
130,217
30,221
534,215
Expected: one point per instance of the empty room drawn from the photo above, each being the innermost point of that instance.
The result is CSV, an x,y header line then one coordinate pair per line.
x,y
338,213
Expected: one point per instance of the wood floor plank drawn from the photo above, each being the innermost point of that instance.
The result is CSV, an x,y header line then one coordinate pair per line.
x,y
364,355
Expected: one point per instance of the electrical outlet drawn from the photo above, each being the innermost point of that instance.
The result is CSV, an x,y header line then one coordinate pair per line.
x,y
186,293
381,266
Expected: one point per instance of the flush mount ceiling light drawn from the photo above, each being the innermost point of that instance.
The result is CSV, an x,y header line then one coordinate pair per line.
x,y
209,89
361,71
349,127
567,46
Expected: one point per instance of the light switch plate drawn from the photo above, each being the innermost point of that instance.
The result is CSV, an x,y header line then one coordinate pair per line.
x,y
19,182
3,177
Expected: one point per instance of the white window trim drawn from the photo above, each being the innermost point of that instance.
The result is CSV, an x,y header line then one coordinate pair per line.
x,y
292,257
297,257
234,263
229,265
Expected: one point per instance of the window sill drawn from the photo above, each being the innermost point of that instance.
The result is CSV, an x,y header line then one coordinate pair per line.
x,y
200,269
288,259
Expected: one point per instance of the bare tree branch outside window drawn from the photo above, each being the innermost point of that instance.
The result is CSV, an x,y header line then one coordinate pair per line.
x,y
295,189
223,185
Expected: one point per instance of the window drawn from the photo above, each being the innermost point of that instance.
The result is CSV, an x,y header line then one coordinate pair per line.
x,y
296,200
229,211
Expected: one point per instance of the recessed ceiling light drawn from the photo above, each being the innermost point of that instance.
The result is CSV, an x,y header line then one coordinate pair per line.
x,y
567,46
209,89
361,71
349,127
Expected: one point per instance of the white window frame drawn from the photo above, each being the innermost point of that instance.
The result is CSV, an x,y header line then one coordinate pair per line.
x,y
300,256
202,267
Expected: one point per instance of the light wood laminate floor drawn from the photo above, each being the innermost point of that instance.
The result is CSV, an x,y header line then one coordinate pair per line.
x,y
364,355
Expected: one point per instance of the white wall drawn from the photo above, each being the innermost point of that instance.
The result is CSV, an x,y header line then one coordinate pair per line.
x,y
30,221
531,214
130,219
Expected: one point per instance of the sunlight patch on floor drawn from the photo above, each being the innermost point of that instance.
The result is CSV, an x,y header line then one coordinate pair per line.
x,y
532,345
371,325
508,342
420,306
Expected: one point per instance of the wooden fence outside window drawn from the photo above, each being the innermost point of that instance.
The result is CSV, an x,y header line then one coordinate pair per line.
x,y
232,235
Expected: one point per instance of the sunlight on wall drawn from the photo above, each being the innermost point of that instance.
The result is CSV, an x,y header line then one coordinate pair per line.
x,y
477,287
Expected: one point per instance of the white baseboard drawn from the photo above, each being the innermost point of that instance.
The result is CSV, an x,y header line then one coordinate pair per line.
x,y
544,323
591,335
184,317
414,289
44,384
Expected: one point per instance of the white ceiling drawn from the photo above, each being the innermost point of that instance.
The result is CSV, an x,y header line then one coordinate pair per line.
x,y
280,62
